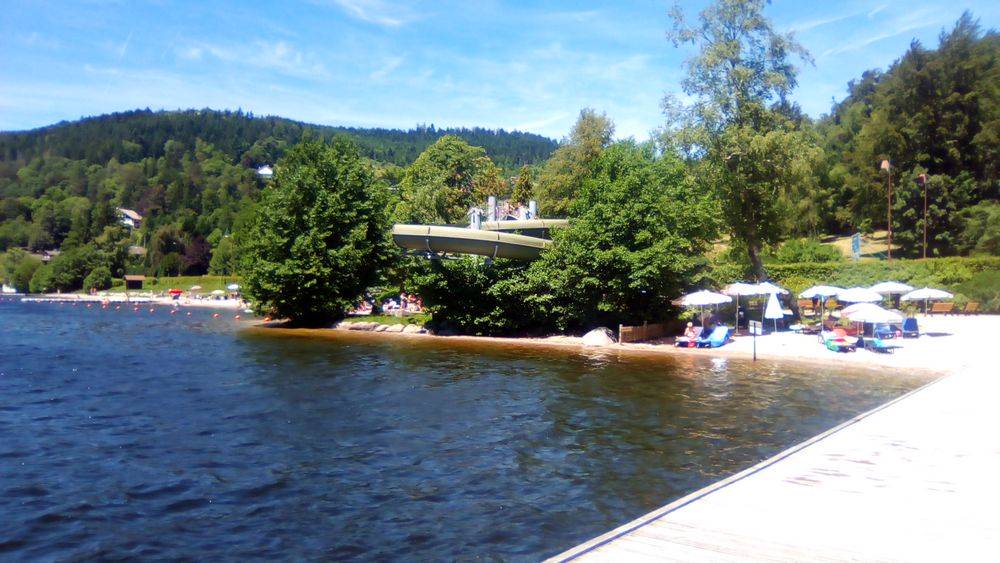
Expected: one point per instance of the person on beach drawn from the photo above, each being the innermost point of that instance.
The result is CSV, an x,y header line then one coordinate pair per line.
x,y
689,338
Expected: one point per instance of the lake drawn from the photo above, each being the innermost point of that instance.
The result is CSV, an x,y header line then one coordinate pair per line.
x,y
136,434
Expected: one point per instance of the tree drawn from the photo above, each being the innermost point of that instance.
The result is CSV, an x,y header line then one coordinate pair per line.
x,y
522,187
440,185
320,236
746,147
22,273
563,175
223,262
638,233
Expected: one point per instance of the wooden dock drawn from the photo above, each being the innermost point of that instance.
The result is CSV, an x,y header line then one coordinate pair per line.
x,y
917,479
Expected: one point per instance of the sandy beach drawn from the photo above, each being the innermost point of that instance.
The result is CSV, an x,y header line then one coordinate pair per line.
x,y
947,344
226,304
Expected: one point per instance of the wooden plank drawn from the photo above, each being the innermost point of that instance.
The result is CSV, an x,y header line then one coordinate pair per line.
x,y
915,479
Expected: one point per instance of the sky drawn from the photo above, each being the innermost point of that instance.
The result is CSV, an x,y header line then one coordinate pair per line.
x,y
528,66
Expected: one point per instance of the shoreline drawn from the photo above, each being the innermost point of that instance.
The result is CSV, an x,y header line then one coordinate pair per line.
x,y
924,356
118,298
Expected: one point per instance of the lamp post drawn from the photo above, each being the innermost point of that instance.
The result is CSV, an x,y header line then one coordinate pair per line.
x,y
922,180
888,172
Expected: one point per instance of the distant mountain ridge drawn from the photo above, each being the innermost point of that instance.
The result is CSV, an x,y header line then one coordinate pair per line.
x,y
133,135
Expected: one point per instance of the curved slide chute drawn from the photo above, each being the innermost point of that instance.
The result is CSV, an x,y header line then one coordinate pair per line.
x,y
528,227
456,240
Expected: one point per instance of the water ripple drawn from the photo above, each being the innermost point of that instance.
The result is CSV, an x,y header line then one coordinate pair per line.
x,y
155,436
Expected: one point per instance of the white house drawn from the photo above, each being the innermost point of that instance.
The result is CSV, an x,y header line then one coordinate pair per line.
x,y
265,172
129,218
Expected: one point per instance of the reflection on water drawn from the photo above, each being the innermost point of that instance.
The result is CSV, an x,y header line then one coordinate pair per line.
x,y
149,435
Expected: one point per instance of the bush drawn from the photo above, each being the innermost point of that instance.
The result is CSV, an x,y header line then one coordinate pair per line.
x,y
41,280
806,250
99,278
984,288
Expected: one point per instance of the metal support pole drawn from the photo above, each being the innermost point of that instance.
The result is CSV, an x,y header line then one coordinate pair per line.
x,y
889,243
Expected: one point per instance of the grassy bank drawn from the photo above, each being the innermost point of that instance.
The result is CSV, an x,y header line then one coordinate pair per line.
x,y
157,285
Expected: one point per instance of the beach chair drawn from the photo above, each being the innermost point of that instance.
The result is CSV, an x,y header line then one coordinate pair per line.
x,y
971,308
874,345
717,338
806,308
837,341
910,328
884,331
942,308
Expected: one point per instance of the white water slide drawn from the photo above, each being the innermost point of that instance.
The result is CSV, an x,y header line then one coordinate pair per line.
x,y
492,240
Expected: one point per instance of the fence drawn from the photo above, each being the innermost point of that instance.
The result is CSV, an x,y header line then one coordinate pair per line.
x,y
641,332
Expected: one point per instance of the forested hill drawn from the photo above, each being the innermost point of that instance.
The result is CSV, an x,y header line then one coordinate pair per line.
x,y
134,135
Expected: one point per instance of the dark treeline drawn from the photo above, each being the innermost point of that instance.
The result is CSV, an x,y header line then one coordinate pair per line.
x,y
191,174
134,135
933,112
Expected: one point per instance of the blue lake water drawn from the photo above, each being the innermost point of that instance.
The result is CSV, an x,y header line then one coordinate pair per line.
x,y
135,434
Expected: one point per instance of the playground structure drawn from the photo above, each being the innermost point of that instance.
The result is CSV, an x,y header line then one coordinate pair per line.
x,y
516,234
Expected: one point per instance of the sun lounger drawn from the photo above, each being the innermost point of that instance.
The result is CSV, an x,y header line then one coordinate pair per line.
x,y
875,345
910,328
838,341
971,308
685,342
718,337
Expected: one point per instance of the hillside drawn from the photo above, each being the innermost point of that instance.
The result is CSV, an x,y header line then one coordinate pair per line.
x,y
134,135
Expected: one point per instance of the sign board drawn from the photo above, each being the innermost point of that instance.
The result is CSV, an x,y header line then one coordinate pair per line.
x,y
856,246
756,327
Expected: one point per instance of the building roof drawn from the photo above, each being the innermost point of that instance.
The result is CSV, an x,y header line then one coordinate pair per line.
x,y
131,277
265,170
130,214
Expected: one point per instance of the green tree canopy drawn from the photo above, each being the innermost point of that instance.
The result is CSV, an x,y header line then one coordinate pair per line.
x,y
639,229
739,129
563,174
320,235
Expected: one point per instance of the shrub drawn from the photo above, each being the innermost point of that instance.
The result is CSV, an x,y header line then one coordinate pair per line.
x,y
806,250
99,278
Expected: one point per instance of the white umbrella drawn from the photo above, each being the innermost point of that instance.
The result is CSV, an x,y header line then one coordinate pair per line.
x,y
890,288
769,288
773,310
859,295
821,291
700,299
736,290
741,288
926,294
195,287
218,292
870,313
233,286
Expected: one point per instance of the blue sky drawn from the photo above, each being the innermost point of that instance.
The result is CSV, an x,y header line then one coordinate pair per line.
x,y
517,65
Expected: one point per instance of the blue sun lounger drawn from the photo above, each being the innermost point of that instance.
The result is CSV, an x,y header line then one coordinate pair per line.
x,y
718,337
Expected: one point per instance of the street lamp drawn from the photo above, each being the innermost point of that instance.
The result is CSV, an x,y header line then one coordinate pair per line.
x,y
888,172
922,180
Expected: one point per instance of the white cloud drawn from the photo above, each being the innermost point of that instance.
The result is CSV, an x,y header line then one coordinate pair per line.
x,y
279,56
383,71
910,21
802,26
378,12
878,9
